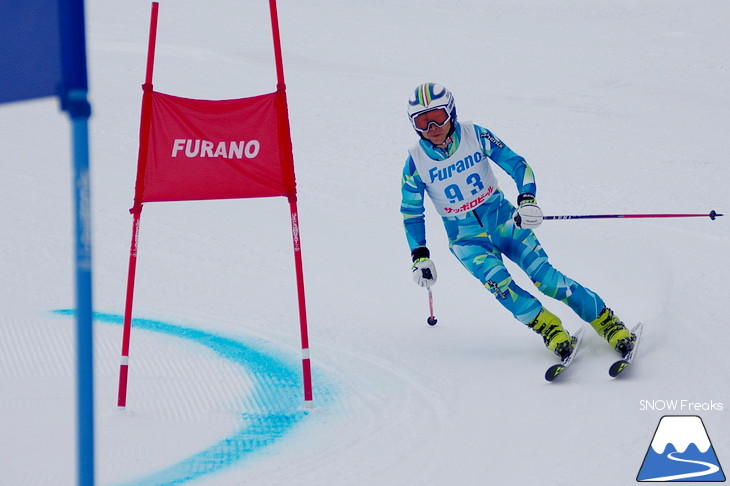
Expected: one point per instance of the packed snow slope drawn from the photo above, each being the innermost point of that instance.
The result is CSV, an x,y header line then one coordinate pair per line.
x,y
619,107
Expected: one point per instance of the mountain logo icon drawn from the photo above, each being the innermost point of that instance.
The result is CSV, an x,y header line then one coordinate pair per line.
x,y
681,451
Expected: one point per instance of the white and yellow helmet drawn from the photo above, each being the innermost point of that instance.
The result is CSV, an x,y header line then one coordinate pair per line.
x,y
428,97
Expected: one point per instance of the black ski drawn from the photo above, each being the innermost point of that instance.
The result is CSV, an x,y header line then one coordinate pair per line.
x,y
619,366
555,370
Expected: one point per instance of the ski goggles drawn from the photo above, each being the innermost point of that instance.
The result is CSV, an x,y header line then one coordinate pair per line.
x,y
437,116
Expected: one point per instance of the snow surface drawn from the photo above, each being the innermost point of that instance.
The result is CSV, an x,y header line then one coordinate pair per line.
x,y
619,106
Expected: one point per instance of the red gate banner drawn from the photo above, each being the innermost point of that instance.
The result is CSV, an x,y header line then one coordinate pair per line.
x,y
201,149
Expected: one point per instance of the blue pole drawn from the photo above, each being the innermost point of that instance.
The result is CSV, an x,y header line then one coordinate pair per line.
x,y
79,111
73,94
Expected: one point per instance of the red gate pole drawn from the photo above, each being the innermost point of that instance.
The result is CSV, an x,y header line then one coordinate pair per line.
x,y
124,366
144,129
306,364
287,161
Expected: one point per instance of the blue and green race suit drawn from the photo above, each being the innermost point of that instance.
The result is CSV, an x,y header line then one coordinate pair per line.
x,y
478,219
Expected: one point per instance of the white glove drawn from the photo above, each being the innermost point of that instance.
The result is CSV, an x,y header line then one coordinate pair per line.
x,y
424,272
529,214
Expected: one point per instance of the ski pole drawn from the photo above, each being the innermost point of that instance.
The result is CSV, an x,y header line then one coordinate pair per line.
x,y
713,214
431,319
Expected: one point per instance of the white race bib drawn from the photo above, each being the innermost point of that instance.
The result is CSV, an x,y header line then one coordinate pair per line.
x,y
461,182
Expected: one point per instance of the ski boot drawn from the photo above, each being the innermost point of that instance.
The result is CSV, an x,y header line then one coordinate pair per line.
x,y
616,333
556,338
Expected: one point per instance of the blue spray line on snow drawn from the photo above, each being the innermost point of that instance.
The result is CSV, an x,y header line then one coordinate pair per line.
x,y
277,391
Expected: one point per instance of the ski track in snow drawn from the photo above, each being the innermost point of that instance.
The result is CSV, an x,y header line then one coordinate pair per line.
x,y
251,393
263,391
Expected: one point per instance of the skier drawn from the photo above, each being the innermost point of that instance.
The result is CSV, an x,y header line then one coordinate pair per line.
x,y
451,163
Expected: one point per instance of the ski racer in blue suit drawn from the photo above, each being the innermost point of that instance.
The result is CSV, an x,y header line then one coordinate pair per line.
x,y
452,164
